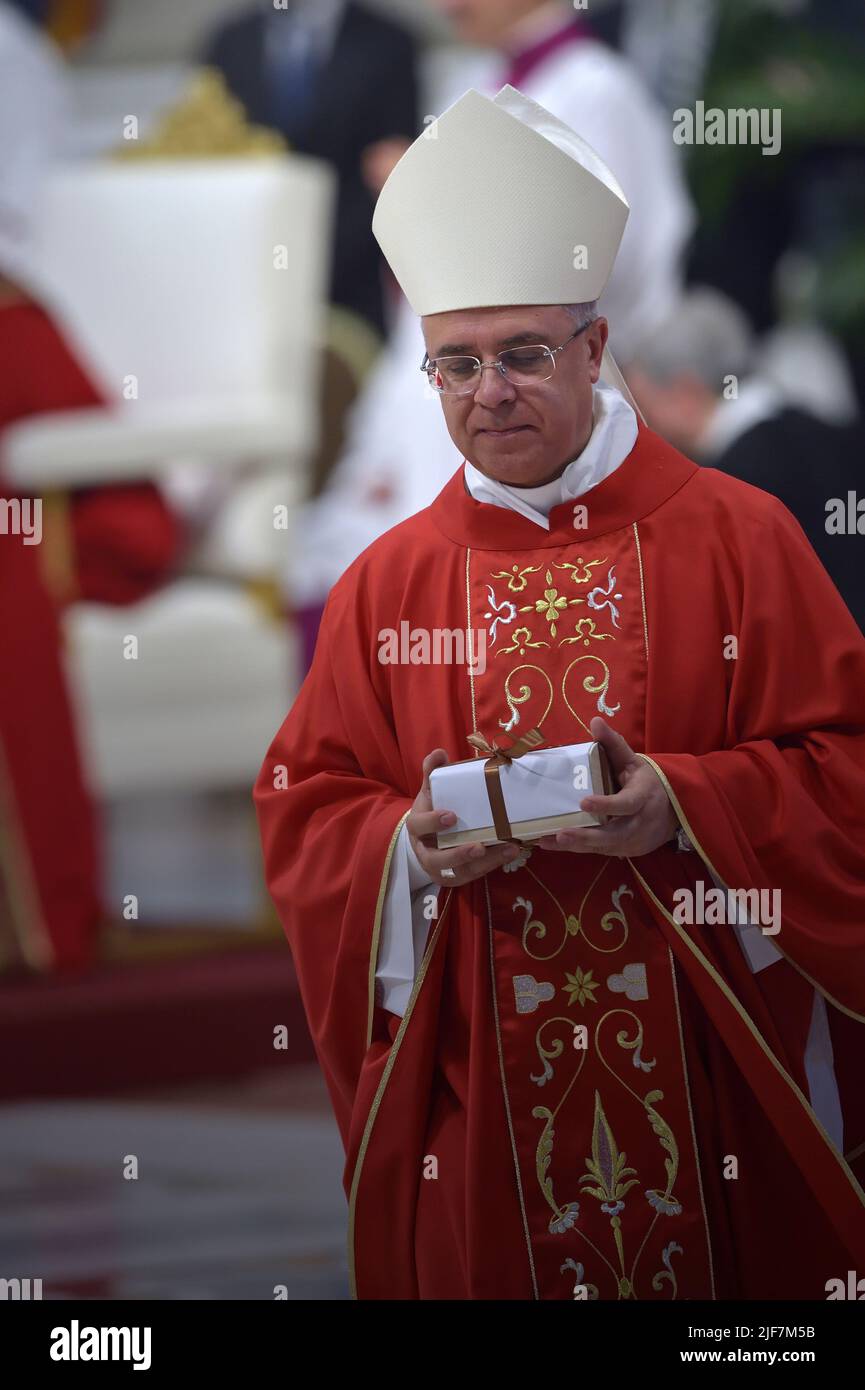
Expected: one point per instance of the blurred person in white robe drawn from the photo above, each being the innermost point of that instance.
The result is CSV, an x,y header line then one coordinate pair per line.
x,y
33,106
398,453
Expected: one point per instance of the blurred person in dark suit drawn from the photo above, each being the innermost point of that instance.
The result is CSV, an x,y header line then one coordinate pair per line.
x,y
335,80
696,382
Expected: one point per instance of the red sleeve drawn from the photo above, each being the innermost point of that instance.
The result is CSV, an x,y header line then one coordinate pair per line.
x,y
330,799
126,541
783,805
38,371
125,538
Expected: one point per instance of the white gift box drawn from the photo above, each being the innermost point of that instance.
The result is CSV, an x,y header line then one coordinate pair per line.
x,y
542,793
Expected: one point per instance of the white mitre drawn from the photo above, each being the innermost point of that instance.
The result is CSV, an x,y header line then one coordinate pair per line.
x,y
499,203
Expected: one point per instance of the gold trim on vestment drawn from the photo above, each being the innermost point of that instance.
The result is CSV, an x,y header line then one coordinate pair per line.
x,y
57,552
376,925
22,894
471,667
382,1086
858,1018
755,1032
642,595
505,1096
694,1144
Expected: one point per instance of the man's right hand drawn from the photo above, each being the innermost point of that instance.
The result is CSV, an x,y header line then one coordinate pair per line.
x,y
468,861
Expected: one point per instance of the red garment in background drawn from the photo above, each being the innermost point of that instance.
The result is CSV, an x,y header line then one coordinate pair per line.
x,y
122,541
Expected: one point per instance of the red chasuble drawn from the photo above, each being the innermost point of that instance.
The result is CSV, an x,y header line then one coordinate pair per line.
x,y
110,545
676,1155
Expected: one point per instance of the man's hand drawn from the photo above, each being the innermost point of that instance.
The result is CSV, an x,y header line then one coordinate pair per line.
x,y
467,861
642,817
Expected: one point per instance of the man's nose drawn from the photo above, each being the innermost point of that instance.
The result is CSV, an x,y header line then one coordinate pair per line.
x,y
494,389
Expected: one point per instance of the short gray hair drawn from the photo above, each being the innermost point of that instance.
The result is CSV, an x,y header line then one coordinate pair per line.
x,y
705,335
583,314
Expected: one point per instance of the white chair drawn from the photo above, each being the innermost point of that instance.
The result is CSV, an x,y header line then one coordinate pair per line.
x,y
195,291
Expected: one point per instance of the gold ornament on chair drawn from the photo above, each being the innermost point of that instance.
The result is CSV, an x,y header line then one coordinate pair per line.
x,y
207,123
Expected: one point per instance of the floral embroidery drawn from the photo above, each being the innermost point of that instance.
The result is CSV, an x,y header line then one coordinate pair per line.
x,y
606,597
586,632
550,606
517,580
522,640
581,564
666,1255
580,1283
553,604
663,1204
598,687
567,1221
525,694
580,986
497,609
607,1168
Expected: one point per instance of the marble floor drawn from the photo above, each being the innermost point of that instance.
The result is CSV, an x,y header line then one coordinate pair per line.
x,y
238,1191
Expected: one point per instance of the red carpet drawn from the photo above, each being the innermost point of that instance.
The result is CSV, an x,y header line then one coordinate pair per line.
x,y
122,1026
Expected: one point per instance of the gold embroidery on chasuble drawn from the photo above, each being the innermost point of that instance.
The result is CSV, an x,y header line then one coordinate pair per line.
x,y
590,1045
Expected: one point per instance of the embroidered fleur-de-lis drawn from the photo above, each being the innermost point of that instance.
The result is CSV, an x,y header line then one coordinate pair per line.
x,y
505,611
600,598
580,987
607,1167
581,565
516,577
587,632
522,640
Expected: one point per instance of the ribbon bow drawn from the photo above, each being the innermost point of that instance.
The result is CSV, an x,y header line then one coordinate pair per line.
x,y
496,758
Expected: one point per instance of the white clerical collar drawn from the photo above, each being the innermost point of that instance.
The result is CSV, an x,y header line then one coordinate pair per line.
x,y
614,434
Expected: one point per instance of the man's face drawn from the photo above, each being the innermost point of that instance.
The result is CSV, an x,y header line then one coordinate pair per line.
x,y
485,22
520,435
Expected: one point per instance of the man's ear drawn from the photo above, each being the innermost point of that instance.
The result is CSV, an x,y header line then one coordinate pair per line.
x,y
596,340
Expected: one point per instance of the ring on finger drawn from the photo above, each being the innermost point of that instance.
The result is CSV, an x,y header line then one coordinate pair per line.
x,y
449,873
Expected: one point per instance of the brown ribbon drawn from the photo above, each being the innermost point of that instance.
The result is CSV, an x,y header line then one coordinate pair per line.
x,y
496,758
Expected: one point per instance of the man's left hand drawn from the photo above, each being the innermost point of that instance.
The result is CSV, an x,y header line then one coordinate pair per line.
x,y
641,817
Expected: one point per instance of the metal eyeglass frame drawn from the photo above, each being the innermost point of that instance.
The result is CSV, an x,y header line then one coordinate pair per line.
x,y
430,362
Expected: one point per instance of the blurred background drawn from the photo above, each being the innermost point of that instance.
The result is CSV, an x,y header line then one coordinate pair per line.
x,y
209,405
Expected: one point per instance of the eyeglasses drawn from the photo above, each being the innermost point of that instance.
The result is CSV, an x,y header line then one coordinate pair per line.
x,y
522,366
